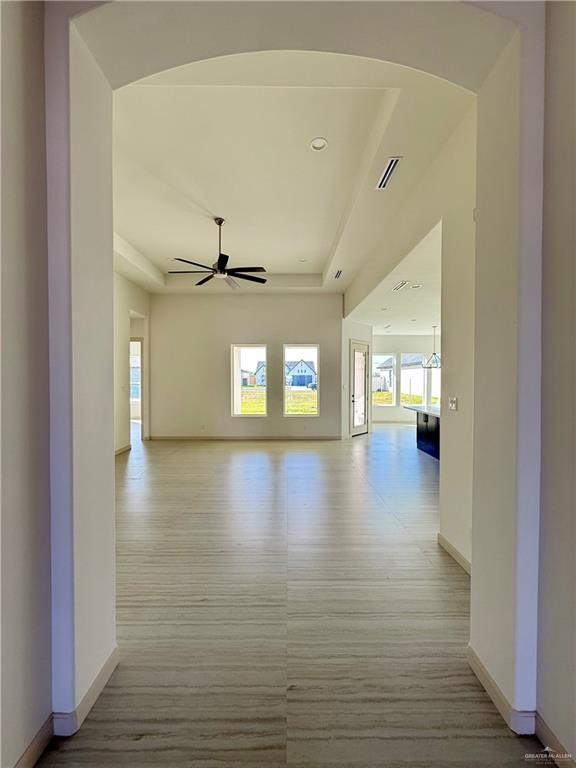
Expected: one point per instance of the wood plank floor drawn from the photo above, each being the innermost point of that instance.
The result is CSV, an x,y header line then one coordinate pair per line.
x,y
286,603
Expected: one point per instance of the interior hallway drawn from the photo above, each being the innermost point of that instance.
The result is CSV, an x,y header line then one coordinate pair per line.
x,y
286,603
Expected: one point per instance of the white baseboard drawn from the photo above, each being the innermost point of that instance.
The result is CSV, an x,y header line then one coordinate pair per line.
x,y
37,745
244,438
125,448
454,553
549,739
67,723
522,722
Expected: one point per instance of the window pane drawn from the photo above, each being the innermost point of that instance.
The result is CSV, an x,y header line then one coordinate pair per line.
x,y
249,381
435,386
301,380
360,364
412,379
383,380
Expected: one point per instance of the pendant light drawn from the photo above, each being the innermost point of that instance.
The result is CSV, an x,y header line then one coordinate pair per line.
x,y
434,359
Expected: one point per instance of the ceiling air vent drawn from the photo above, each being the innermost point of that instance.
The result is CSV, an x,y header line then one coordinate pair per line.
x,y
400,285
338,275
388,171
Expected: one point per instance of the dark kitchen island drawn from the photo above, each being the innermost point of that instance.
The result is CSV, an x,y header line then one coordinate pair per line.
x,y
427,428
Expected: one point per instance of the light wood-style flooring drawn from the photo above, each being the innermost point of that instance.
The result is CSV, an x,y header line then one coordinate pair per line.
x,y
286,603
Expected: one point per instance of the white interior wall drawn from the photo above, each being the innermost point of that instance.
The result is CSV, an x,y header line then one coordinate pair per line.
x,y
447,193
352,331
389,343
191,338
128,297
557,609
92,371
25,637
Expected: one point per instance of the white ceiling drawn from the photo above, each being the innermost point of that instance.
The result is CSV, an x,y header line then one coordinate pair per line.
x,y
411,310
231,137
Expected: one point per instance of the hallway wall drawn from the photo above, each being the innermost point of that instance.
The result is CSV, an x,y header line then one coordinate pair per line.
x,y
26,626
191,338
557,610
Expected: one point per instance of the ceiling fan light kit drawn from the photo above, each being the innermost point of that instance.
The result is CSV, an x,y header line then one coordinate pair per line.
x,y
219,269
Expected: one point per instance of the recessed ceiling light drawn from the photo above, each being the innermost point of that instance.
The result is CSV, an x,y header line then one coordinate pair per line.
x,y
416,285
318,143
413,320
302,260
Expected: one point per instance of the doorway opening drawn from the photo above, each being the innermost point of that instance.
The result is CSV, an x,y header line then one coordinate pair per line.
x,y
359,388
135,390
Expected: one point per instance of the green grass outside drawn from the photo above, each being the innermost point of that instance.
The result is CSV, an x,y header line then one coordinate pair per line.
x,y
411,399
300,402
253,401
382,398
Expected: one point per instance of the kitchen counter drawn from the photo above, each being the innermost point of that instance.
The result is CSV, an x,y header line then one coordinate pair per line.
x,y
427,428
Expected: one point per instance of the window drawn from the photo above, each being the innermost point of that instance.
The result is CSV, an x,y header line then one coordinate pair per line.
x,y
135,370
248,380
384,379
435,374
301,380
412,379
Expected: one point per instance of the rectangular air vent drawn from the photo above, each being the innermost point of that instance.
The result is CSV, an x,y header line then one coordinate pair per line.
x,y
400,285
388,171
338,274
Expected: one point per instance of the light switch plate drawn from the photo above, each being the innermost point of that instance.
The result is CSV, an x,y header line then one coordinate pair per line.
x,y
452,403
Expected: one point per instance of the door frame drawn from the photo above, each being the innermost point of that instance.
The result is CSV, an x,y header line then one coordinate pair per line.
x,y
354,431
143,389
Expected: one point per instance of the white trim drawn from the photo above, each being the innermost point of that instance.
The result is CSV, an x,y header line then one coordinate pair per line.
x,y
316,346
454,553
234,415
37,745
124,448
246,438
67,723
549,739
522,722
354,431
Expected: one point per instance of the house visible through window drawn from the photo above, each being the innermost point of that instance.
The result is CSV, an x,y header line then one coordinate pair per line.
x,y
301,380
248,380
383,379
412,379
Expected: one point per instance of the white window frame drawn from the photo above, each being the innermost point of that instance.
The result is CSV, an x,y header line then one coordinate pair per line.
x,y
395,392
300,415
233,348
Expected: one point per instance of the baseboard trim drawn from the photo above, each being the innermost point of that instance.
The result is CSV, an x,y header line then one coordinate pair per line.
x,y
549,739
118,451
454,553
522,722
67,723
245,439
37,745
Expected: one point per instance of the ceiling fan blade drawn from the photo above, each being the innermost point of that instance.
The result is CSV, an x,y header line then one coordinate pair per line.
x,y
222,261
186,261
232,283
251,278
232,270
205,280
188,272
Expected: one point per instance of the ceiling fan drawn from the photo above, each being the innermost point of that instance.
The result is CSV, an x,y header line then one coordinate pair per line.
x,y
218,269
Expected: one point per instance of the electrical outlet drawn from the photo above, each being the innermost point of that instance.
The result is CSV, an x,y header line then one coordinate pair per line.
x,y
452,403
